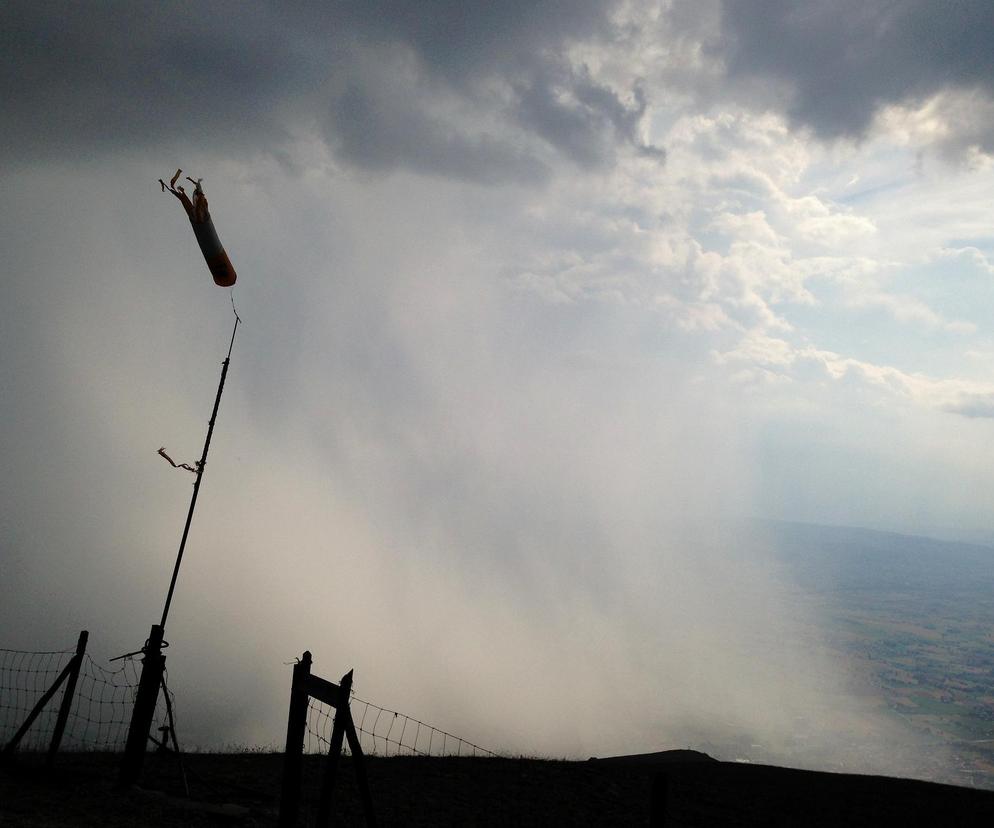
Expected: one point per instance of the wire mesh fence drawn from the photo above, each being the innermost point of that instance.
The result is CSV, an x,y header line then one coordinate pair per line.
x,y
385,732
25,676
399,749
100,712
414,768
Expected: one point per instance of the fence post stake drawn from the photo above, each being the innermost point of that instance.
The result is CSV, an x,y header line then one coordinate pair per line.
x,y
153,664
331,763
296,726
359,763
67,697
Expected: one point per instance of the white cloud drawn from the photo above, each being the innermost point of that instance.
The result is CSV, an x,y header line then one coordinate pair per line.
x,y
906,309
956,123
969,255
808,364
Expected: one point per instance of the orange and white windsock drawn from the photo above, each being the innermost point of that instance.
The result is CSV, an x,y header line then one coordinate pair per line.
x,y
203,228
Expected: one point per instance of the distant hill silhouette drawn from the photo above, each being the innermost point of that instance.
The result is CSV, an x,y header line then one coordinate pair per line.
x,y
662,757
844,557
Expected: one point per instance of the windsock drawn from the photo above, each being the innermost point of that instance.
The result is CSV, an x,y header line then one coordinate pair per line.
x,y
203,228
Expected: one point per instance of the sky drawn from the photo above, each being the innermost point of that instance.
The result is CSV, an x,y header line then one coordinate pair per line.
x,y
532,292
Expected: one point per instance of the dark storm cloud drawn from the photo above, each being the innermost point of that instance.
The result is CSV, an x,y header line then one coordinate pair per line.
x,y
380,123
585,124
461,40
470,90
106,77
465,45
843,60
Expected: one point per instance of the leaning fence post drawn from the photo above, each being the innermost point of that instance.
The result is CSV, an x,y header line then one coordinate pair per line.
x,y
296,726
334,751
359,763
67,697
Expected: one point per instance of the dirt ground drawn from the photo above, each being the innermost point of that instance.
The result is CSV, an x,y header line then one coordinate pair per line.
x,y
243,790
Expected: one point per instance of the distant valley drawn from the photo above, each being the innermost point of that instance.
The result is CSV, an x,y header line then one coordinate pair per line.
x,y
915,618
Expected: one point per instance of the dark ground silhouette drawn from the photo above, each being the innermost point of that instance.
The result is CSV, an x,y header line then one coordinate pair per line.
x,y
678,788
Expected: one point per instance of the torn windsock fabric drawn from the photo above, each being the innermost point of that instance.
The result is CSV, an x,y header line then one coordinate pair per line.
x,y
203,228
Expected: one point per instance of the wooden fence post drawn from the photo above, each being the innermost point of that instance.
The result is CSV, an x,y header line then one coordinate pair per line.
x,y
67,698
296,727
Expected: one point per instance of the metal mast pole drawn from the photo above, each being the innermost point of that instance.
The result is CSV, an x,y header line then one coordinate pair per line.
x,y
153,661
200,473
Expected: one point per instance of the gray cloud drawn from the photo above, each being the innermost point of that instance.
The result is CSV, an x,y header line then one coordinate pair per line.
x,y
586,123
382,120
974,406
249,77
121,76
842,61
463,40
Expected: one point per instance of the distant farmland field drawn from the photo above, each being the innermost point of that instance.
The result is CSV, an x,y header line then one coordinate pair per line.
x,y
916,617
